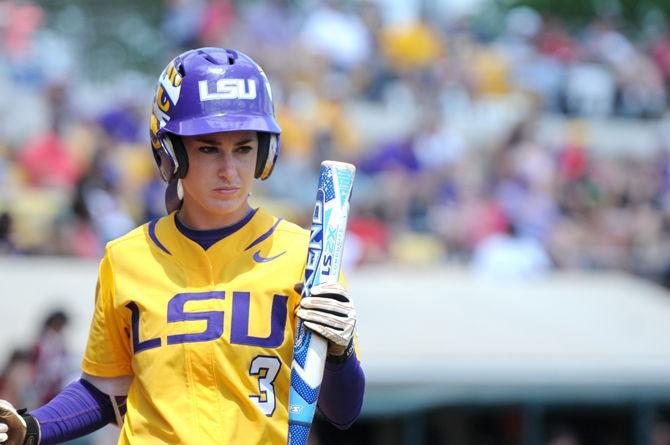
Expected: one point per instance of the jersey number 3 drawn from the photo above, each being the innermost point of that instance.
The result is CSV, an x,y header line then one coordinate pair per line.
x,y
266,367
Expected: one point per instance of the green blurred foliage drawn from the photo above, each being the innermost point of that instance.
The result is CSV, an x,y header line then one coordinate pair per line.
x,y
634,15
110,36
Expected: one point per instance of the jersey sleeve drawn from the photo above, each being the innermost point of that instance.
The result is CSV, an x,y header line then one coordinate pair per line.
x,y
107,352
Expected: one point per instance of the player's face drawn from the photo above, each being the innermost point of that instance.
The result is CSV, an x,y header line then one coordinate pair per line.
x,y
220,173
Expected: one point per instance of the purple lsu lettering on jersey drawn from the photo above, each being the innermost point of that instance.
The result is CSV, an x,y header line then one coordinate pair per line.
x,y
239,334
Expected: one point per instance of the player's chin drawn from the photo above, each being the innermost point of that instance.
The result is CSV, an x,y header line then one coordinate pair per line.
x,y
227,203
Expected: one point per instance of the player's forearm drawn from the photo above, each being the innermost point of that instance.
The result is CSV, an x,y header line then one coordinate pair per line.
x,y
77,410
342,389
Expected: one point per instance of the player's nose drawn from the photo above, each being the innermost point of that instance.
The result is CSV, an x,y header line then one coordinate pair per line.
x,y
226,166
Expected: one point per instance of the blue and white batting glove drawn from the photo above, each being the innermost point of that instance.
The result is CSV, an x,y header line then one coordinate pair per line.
x,y
330,312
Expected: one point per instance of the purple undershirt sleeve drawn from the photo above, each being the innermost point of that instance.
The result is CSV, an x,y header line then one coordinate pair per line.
x,y
341,395
79,409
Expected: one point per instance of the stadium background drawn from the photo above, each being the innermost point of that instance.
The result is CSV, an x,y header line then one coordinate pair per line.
x,y
509,243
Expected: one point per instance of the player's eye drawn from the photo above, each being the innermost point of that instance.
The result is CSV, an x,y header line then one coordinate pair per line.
x,y
208,149
244,149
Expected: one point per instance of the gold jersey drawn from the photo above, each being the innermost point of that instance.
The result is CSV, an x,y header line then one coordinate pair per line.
x,y
206,334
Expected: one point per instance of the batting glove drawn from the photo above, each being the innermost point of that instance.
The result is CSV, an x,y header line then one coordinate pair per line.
x,y
330,312
17,428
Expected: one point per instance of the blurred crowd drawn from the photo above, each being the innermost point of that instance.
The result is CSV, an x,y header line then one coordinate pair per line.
x,y
449,119
38,368
34,373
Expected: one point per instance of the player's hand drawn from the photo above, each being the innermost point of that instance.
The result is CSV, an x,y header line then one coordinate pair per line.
x,y
330,312
12,426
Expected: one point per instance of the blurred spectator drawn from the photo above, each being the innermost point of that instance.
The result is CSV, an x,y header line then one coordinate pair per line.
x,y
394,155
122,124
153,198
278,32
337,34
553,40
52,361
660,434
642,90
217,19
509,256
20,20
590,90
76,232
564,437
181,22
370,235
438,144
6,243
47,162
412,46
604,43
661,54
16,380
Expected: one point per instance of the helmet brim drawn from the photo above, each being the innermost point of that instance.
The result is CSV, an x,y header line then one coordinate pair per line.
x,y
221,123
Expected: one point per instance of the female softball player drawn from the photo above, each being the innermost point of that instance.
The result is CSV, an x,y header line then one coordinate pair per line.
x,y
191,340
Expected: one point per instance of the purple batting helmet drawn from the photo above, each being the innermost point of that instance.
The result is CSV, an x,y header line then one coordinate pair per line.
x,y
210,90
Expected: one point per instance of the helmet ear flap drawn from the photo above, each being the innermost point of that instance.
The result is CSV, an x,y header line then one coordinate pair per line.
x,y
178,150
268,149
173,165
165,160
171,157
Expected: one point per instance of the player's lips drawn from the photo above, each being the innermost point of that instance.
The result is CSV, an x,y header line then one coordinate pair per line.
x,y
227,189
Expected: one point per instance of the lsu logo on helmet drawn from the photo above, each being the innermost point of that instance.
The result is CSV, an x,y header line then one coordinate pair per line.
x,y
228,89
